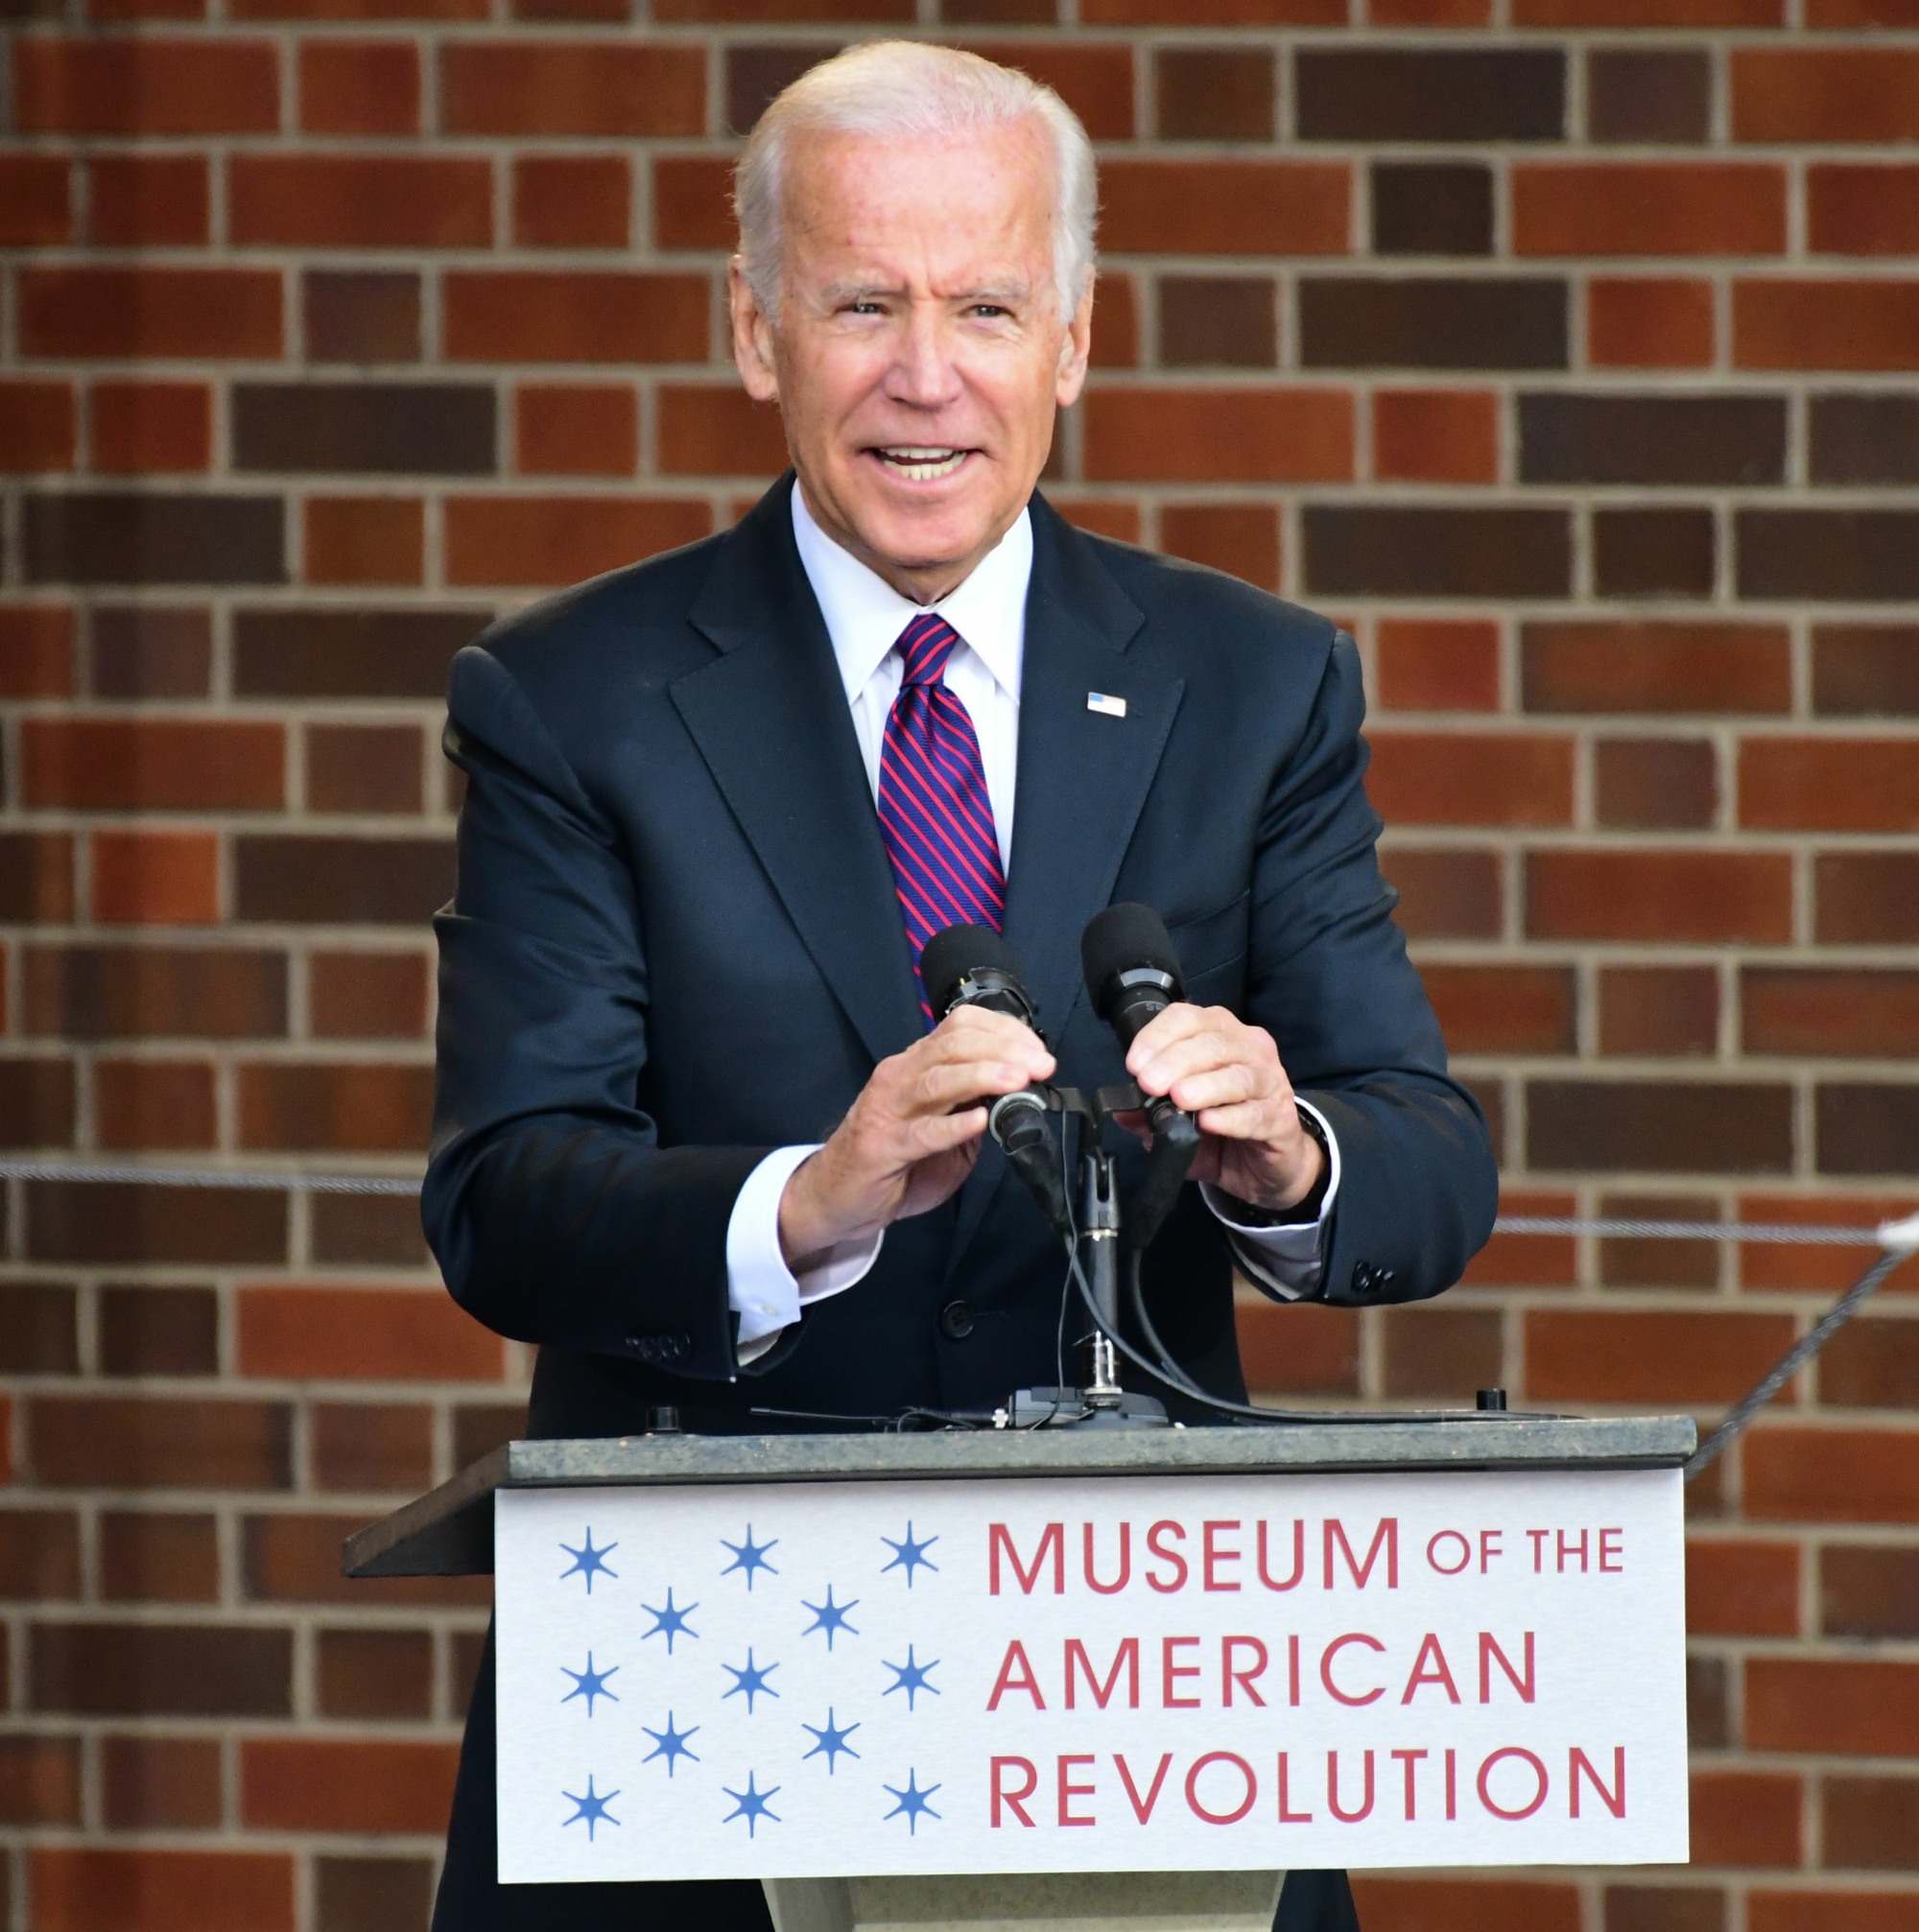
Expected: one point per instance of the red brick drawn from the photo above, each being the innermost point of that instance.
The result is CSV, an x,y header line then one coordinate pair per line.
x,y
1213,12
1503,1009
1830,1911
1861,210
1438,663
160,1556
692,201
35,200
374,1673
156,878
1768,1264
139,427
1837,784
359,87
371,1448
1471,778
1429,13
146,199
1644,1358
145,86
1225,208
1826,325
364,540
36,425
1436,435
364,767
1743,1589
198,312
571,201
1858,1708
360,201
36,652
576,430
1659,666
1648,323
1115,323
1746,1818
88,1890
1095,79
1648,13
1282,1354
1240,538
1447,1904
1526,1260
1830,1013
161,1782
1832,1475
367,996
609,87
39,1781
295,1559
131,1441
557,540
1824,13
151,764
347,1107
359,10
496,315
1226,435
363,1787
379,1335
1659,1011
1647,209
1834,94
1671,896
718,430
154,1103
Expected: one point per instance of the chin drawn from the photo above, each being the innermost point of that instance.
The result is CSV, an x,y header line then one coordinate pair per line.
x,y
923,535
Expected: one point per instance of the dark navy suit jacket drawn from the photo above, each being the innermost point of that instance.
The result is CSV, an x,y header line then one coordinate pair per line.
x,y
674,945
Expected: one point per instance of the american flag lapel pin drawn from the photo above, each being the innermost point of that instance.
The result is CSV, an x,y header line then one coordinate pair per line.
x,y
1107,707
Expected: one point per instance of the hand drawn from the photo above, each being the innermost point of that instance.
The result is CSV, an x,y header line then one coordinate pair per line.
x,y
912,1137
1211,1064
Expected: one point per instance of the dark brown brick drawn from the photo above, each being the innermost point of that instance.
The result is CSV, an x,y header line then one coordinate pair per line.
x,y
1215,93
37,1103
1442,1352
1703,1127
372,1446
39,1555
1655,782
300,881
117,537
132,1442
294,1558
1394,551
1639,1263
348,654
1652,552
1873,1363
365,428
367,996
37,1331
1660,1011
380,1229
155,1670
39,1781
1651,440
160,1782
80,1221
480,1427
362,317
1865,438
373,1673
1846,557
1870,1824
1866,1127
755,74
1432,208
1430,94
1224,321
1865,898
158,1557
1865,670
159,1332
373,1894
1432,322
372,768
1445,894
143,651
154,991
1636,95
1664,1908
1708,1703
1868,1592
35,878
467,1653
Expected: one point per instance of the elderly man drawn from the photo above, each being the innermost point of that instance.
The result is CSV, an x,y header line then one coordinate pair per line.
x,y
695,1135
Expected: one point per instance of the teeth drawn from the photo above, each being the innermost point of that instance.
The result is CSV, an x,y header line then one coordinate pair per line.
x,y
922,462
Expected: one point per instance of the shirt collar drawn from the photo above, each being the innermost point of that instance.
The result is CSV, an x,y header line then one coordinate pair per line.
x,y
864,614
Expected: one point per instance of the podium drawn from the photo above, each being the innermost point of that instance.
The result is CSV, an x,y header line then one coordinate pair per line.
x,y
966,1678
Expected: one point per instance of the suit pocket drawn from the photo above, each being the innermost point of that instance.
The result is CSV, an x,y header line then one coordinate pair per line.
x,y
1214,942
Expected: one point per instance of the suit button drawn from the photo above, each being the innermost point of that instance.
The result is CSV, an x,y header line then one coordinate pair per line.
x,y
1384,1279
1363,1277
955,1321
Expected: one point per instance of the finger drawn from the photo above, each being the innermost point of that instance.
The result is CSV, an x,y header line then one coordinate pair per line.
x,y
970,1033
1175,1022
940,1089
931,1134
1201,1054
1220,1086
1242,1121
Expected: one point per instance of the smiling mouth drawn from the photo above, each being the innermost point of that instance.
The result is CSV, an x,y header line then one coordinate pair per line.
x,y
921,463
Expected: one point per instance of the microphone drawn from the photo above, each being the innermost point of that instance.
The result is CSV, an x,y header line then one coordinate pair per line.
x,y
973,966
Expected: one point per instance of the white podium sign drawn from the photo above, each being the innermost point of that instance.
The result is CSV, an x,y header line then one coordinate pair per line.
x,y
1200,1673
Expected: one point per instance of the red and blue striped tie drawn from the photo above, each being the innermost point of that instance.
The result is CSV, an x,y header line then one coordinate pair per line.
x,y
935,811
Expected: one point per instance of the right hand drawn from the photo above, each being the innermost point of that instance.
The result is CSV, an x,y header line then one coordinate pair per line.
x,y
911,1139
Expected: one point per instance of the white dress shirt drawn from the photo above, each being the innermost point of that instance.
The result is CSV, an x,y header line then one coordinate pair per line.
x,y
865,615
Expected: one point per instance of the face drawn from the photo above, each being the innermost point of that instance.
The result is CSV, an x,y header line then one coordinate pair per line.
x,y
919,354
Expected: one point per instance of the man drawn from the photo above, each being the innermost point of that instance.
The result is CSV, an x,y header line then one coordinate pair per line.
x,y
693,1133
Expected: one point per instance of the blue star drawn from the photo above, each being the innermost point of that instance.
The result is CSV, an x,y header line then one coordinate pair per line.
x,y
669,1744
912,1678
830,1741
669,1622
830,1617
912,1801
750,1555
911,1554
589,1683
751,1806
592,1808
751,1681
589,1560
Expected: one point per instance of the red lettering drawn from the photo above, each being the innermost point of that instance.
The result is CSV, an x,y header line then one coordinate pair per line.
x,y
999,1538
1611,1542
1127,1655
1287,1816
1411,1760
1445,1565
1168,1670
1143,1811
1333,1650
1538,1536
1485,1781
1245,1803
1069,1791
1292,1671
1566,1549
1119,1583
1212,1556
1007,1679
1172,1556
1333,1803
1229,1676
1581,1766
1488,1651
1452,1784
1013,1801
1489,1547
1298,1555
1438,1674
1386,1536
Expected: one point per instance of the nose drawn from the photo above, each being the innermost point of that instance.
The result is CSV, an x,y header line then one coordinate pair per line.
x,y
923,374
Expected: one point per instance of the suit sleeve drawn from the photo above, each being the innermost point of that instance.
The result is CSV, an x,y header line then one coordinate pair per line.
x,y
1330,980
556,1214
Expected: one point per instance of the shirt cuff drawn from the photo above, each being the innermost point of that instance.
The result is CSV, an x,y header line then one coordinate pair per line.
x,y
761,1290
1285,1262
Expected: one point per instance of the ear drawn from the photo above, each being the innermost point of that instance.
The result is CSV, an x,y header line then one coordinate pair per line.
x,y
1075,348
752,337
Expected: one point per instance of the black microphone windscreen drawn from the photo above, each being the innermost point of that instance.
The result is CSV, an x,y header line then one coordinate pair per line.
x,y
1121,938
951,955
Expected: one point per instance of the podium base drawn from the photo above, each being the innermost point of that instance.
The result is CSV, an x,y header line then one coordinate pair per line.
x,y
1063,1902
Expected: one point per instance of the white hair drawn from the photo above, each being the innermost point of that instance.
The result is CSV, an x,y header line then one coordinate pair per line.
x,y
901,90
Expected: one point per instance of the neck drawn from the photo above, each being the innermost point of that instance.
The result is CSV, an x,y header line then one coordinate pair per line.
x,y
923,583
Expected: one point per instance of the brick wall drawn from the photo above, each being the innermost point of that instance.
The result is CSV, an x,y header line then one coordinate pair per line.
x,y
1563,347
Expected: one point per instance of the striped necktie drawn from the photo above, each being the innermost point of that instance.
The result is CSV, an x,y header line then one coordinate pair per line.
x,y
935,811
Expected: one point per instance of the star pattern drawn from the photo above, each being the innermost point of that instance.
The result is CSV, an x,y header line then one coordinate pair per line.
x,y
589,1683
913,1803
752,1806
909,1555
589,1562
671,1622
751,1681
592,1807
831,1740
911,1678
831,1618
669,1744
750,1555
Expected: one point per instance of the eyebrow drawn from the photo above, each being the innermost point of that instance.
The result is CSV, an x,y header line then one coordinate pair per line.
x,y
853,291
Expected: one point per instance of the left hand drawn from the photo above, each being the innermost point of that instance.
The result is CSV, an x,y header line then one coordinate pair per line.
x,y
1210,1062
